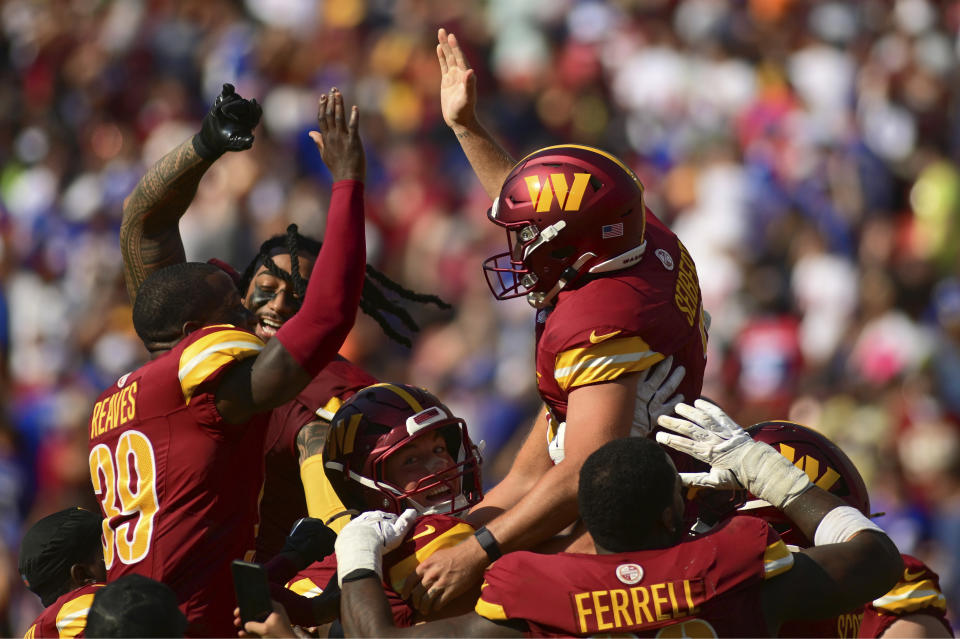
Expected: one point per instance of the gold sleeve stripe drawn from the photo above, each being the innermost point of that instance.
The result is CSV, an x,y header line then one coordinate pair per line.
x,y
492,611
907,597
322,501
305,588
777,559
31,633
446,539
72,617
199,360
603,362
329,409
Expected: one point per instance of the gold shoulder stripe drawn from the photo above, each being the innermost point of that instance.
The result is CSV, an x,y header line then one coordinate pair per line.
x,y
31,632
305,588
907,597
492,611
777,559
209,353
603,362
72,617
446,539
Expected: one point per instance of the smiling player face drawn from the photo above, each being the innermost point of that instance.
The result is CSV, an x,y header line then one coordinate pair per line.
x,y
272,299
423,456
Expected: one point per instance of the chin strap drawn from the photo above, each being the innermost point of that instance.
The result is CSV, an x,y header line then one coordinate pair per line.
x,y
539,300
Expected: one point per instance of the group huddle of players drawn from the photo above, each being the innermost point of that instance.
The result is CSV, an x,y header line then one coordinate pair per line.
x,y
246,420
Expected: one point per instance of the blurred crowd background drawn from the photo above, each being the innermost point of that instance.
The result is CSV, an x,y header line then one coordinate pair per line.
x,y
803,151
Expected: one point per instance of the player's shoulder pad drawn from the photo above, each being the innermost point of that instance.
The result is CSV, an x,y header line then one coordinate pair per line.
x,y
207,350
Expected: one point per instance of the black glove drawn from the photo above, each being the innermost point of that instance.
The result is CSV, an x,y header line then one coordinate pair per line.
x,y
309,541
228,126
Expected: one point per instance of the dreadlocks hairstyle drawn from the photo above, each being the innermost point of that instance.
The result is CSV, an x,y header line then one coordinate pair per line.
x,y
373,301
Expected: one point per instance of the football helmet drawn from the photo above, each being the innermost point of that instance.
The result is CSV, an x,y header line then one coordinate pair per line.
x,y
567,210
825,464
377,423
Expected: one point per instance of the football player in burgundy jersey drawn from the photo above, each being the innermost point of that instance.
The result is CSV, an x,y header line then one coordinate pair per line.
x,y
649,578
61,561
615,293
391,447
176,446
272,287
915,606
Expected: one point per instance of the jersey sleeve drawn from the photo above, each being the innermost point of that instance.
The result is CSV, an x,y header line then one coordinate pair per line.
x,y
917,591
605,357
72,617
428,535
777,558
208,355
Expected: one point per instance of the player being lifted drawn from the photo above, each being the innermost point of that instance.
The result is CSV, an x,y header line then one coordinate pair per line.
x,y
615,293
272,287
176,446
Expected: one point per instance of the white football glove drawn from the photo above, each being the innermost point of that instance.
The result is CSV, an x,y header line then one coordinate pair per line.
x,y
735,458
363,542
655,395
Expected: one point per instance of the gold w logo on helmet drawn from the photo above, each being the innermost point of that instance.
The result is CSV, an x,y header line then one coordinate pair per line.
x,y
811,466
568,198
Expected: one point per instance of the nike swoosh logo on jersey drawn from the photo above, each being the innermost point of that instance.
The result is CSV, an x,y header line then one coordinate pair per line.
x,y
910,576
596,339
429,531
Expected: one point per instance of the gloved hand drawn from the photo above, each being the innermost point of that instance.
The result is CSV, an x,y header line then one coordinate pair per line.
x,y
655,395
712,437
309,541
227,126
363,542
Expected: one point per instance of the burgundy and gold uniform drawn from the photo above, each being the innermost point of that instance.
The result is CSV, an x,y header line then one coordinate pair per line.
x,y
622,323
177,485
427,535
283,500
917,592
706,586
66,617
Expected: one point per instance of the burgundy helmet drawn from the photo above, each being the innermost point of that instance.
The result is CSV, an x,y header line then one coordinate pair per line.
x,y
567,210
825,464
376,423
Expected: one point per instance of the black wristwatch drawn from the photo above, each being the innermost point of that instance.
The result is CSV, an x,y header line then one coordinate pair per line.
x,y
489,543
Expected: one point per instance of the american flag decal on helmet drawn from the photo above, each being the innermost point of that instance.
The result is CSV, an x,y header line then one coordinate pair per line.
x,y
611,230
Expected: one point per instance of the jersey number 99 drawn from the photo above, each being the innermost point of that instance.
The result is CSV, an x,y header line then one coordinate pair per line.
x,y
125,482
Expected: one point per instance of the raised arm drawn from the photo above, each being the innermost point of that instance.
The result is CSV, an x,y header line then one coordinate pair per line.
x,y
458,103
149,232
310,339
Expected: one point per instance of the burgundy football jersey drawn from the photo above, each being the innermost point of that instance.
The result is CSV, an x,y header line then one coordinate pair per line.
x,y
427,535
705,586
283,500
622,323
177,485
917,592
66,617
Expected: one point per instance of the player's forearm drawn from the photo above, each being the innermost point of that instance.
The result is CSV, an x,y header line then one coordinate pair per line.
x,y
149,233
489,160
548,508
365,611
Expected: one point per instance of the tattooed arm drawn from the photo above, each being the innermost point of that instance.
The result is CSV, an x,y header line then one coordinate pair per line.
x,y
149,231
311,438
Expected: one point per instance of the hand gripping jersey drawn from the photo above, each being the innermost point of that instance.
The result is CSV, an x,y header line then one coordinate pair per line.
x,y
177,485
427,535
706,586
283,500
66,617
623,323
